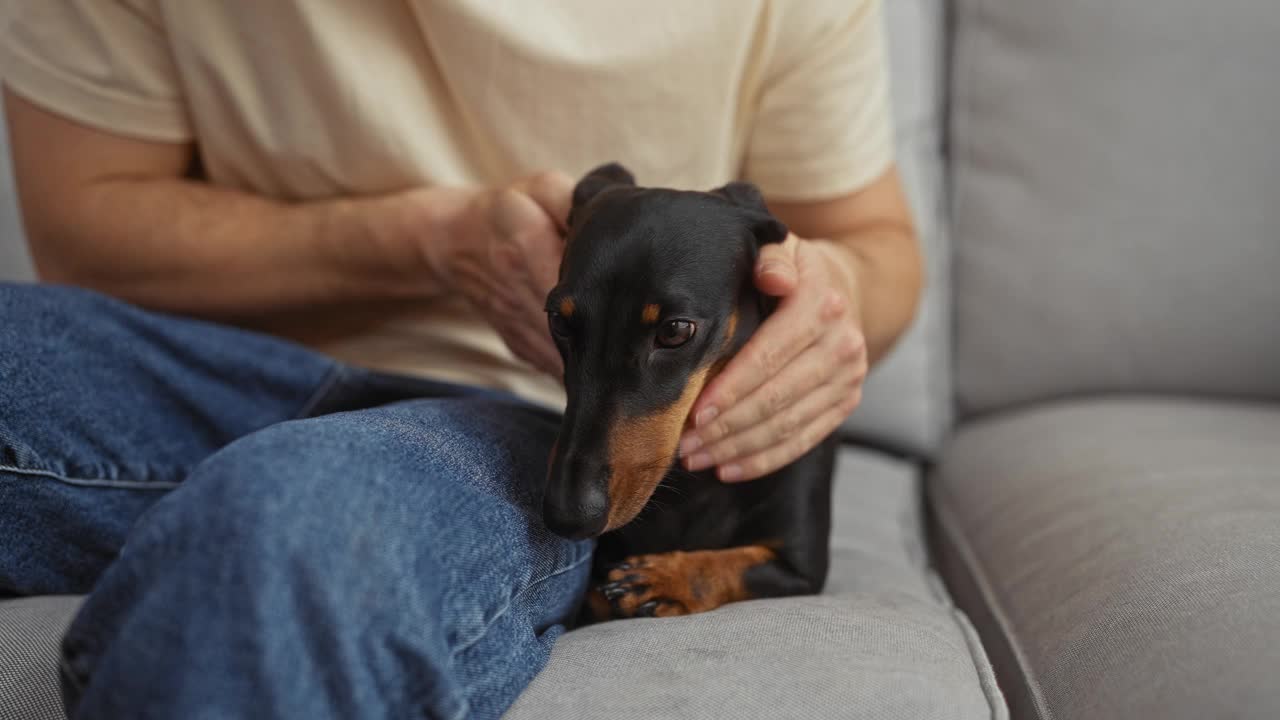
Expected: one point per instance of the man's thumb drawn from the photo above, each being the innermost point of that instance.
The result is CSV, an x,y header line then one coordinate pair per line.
x,y
776,268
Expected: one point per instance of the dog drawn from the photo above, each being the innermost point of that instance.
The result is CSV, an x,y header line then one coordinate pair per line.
x,y
655,295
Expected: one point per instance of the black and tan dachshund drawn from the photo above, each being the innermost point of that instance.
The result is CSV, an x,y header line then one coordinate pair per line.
x,y
655,295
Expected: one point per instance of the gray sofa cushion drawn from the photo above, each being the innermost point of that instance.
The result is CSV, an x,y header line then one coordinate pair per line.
x,y
29,633
1115,175
15,263
883,641
907,400
1121,557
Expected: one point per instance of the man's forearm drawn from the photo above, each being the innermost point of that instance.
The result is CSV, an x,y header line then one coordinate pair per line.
x,y
869,236
188,247
883,264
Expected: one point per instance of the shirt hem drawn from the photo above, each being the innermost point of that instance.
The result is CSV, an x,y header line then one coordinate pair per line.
x,y
78,100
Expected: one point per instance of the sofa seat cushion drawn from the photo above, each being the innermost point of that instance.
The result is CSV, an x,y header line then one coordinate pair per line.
x,y
883,641
1120,557
29,632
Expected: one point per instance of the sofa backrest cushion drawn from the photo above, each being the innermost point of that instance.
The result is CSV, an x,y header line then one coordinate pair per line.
x,y
1116,180
15,263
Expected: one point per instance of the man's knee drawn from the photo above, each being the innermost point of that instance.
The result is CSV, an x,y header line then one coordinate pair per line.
x,y
376,486
366,529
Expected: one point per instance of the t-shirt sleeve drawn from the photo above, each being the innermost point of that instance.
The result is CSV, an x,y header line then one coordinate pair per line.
x,y
823,127
103,63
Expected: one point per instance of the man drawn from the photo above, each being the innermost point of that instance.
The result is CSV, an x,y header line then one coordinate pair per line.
x,y
293,434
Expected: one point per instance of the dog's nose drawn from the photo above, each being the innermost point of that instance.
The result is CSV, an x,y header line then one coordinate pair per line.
x,y
576,504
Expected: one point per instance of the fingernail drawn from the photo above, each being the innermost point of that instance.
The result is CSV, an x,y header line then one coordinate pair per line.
x,y
730,473
699,461
689,444
767,268
706,415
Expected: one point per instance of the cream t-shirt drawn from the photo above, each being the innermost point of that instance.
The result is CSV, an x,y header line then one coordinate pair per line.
x,y
298,99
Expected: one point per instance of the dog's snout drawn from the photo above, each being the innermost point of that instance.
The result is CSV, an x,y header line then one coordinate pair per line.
x,y
576,503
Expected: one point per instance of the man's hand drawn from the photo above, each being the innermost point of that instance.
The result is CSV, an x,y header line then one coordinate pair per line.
x,y
796,379
843,303
503,255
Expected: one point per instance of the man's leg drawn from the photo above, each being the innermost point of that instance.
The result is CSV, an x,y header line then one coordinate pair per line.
x,y
384,563
104,407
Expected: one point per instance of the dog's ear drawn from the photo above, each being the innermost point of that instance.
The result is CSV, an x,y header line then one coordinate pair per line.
x,y
596,181
764,225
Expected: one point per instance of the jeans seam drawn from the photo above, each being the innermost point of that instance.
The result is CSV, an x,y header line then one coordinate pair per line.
x,y
503,610
68,673
332,378
462,711
94,482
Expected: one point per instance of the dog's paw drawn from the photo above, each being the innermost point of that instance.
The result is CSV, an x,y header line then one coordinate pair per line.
x,y
681,582
648,586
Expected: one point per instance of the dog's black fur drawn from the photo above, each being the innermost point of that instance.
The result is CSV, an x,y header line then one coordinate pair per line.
x,y
639,264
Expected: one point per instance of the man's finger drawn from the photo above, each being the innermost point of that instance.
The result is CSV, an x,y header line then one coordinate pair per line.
x,y
780,338
782,454
553,191
529,236
808,370
543,253
775,272
781,427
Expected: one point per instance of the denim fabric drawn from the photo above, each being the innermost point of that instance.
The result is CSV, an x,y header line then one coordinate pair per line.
x,y
268,533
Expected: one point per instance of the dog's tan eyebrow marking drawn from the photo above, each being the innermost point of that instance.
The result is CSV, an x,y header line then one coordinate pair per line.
x,y
567,307
649,315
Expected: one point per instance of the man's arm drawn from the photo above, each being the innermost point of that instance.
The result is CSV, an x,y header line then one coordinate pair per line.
x,y
848,280
118,215
874,241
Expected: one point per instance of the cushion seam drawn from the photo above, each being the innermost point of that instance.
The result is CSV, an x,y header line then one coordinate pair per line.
x,y
961,157
973,644
971,564
986,680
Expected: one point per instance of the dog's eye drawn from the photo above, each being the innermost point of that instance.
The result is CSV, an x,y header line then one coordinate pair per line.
x,y
559,325
675,333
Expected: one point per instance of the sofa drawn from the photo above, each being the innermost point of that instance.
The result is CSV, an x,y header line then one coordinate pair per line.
x,y
1061,495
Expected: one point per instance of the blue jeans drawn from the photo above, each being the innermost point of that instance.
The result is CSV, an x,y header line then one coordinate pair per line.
x,y
266,532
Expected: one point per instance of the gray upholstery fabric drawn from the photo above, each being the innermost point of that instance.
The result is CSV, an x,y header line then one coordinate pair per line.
x,y
907,400
882,642
1115,174
15,264
30,629
1121,557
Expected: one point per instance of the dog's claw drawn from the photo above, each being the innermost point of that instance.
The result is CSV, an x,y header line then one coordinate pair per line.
x,y
647,609
617,587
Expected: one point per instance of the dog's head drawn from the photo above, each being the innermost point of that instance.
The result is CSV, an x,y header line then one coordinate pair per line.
x,y
655,294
